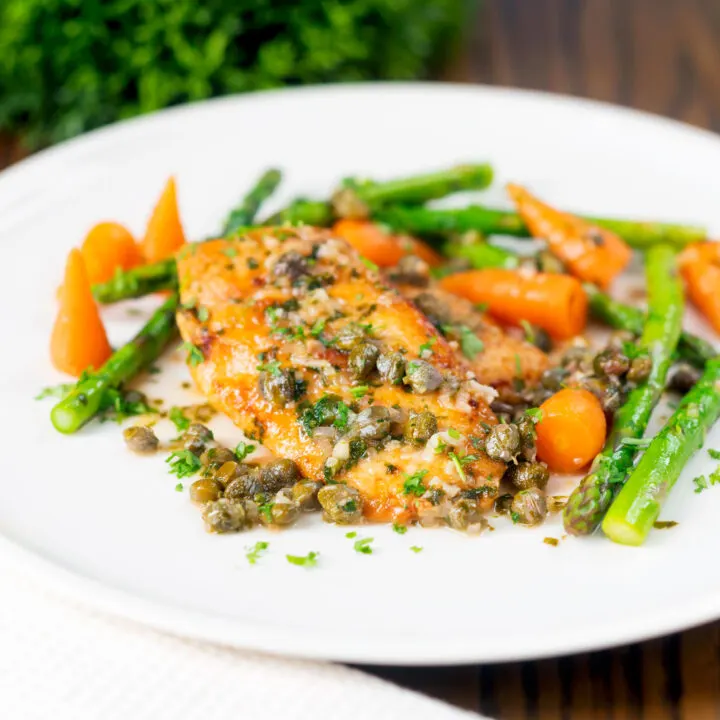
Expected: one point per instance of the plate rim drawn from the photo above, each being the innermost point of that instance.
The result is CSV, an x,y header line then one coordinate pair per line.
x,y
250,635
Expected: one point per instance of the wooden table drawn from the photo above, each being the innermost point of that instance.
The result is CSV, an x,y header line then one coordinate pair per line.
x,y
658,55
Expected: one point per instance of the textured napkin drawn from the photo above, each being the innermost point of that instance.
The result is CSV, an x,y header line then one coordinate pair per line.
x,y
61,661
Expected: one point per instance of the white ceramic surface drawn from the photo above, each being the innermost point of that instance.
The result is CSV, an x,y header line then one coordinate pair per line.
x,y
109,528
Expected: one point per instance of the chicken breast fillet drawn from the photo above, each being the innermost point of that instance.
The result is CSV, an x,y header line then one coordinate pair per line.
x,y
311,352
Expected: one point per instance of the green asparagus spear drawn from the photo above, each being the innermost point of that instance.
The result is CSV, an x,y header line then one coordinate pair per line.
x,y
245,213
637,506
137,282
625,317
85,400
420,221
482,254
590,500
305,212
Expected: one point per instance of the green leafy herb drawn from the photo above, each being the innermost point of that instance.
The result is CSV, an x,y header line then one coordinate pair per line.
x,y
359,391
714,454
270,367
118,405
535,414
369,264
203,314
231,252
399,529
318,327
453,433
179,487
178,418
254,553
183,463
518,365
363,546
350,535
700,483
308,561
413,484
416,548
55,391
458,465
194,354
265,509
515,517
242,450
481,307
426,347
252,263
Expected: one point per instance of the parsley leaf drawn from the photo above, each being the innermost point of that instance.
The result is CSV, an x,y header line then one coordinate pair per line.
x,y
416,548
271,367
318,327
535,414
363,546
308,561
426,347
399,529
254,553
350,535
55,391
194,354
177,417
203,314
359,391
714,454
458,465
230,252
700,483
179,487
369,264
242,450
183,463
413,484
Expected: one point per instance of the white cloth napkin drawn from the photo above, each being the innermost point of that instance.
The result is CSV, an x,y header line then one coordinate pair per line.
x,y
61,661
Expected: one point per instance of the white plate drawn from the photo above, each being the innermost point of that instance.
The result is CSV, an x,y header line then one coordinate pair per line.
x,y
109,527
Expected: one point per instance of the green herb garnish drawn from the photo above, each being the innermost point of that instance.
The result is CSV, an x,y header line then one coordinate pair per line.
x,y
242,450
55,391
177,417
194,354
183,463
416,548
535,414
363,546
413,484
350,535
399,529
369,264
254,553
359,391
308,561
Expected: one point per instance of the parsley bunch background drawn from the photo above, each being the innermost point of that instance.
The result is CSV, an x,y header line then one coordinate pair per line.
x,y
67,66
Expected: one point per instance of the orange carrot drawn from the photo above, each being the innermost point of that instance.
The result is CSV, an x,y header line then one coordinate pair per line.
x,y
107,247
164,235
591,253
700,269
384,249
78,341
556,303
571,430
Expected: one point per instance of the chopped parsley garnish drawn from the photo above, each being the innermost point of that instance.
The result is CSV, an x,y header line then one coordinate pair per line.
x,y
270,367
369,264
518,365
203,314
308,561
178,419
119,405
414,485
515,517
399,529
194,354
453,433
266,510
230,252
360,391
714,454
470,344
458,465
350,535
426,347
242,450
481,307
363,546
529,331
700,483
183,463
318,327
252,263
535,414
254,553
416,548
179,487
55,391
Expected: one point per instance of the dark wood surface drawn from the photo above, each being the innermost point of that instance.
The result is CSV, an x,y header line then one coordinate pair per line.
x,y
657,55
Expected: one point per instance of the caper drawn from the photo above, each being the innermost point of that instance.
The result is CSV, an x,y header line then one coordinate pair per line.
x,y
373,423
278,474
422,377
252,512
205,490
553,378
223,516
217,456
420,427
612,399
527,475
529,507
503,503
278,387
683,378
466,515
577,357
349,337
281,511
291,264
540,338
305,493
140,439
611,363
528,435
436,311
391,367
411,270
640,369
244,485
196,438
546,262
231,470
341,504
503,442
362,359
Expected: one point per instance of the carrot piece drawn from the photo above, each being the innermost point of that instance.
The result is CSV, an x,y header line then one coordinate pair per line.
x,y
164,235
78,340
107,247
571,430
700,270
556,303
384,249
591,253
